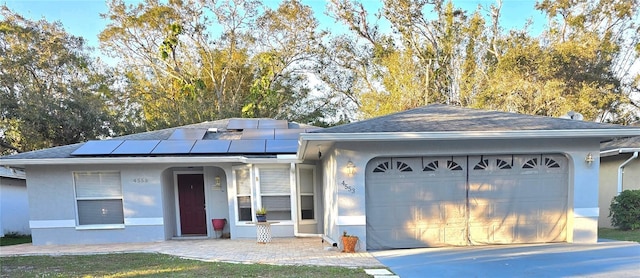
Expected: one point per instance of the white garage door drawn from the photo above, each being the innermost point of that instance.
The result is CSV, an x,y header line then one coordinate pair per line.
x,y
440,201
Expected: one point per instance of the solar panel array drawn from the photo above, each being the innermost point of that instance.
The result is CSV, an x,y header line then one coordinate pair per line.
x,y
176,147
258,137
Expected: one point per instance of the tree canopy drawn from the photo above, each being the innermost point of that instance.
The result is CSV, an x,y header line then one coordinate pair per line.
x,y
52,92
188,61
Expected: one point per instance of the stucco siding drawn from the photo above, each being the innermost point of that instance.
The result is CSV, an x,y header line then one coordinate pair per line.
x,y
609,182
330,192
14,206
53,210
69,235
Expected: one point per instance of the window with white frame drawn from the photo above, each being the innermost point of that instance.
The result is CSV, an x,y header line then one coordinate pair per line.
x,y
243,193
306,192
275,192
99,198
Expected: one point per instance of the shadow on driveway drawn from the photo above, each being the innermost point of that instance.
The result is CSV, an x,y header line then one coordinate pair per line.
x,y
604,259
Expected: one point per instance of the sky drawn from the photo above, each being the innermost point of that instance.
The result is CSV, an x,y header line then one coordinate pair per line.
x,y
82,17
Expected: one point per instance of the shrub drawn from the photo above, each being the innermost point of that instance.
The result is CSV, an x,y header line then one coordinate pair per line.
x,y
625,210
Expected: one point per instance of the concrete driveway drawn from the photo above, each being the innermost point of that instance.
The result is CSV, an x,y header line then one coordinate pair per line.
x,y
604,259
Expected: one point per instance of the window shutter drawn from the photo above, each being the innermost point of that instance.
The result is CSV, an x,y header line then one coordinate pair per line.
x,y
98,184
274,181
276,203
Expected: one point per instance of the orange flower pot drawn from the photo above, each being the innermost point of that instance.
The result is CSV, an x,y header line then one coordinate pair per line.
x,y
349,244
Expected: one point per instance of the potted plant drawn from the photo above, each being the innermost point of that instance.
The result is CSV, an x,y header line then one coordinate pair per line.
x,y
261,214
349,242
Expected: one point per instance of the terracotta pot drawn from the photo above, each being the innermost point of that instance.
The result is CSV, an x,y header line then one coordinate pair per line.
x,y
218,224
349,244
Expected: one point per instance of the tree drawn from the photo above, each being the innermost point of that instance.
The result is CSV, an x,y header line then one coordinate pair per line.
x,y
289,48
575,65
52,92
191,61
436,53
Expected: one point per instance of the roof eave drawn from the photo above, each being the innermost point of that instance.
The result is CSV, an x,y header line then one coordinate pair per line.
x,y
148,160
463,135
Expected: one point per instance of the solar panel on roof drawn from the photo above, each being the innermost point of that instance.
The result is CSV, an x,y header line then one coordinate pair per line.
x,y
211,146
174,147
97,147
247,146
273,124
187,134
282,146
288,134
136,147
242,123
258,133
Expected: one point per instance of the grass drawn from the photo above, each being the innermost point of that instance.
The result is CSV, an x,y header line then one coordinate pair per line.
x,y
154,265
13,239
619,234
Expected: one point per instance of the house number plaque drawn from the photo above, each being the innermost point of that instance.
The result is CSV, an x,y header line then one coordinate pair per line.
x,y
348,187
140,180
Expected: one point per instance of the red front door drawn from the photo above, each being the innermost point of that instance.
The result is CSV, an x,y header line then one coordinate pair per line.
x,y
192,208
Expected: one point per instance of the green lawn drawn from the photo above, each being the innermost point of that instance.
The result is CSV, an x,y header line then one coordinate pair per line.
x,y
154,265
14,239
619,235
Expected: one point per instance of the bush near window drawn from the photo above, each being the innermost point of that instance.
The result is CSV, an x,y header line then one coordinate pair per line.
x,y
625,210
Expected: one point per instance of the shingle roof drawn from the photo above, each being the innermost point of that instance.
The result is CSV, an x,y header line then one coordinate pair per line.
x,y
163,134
437,117
631,142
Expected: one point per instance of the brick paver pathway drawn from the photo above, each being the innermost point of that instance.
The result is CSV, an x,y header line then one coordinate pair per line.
x,y
281,251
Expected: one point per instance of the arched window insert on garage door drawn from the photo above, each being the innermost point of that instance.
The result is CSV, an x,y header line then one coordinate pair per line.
x,y
501,164
482,165
434,165
388,165
533,163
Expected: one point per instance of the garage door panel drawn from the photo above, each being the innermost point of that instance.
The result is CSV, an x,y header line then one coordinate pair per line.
x,y
429,203
514,200
497,200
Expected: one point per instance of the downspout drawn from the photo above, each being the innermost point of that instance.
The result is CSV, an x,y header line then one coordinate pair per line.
x,y
621,170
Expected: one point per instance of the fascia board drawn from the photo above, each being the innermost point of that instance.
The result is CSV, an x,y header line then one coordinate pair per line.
x,y
145,160
467,135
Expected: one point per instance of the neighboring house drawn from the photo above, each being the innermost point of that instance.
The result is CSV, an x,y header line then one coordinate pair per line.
x,y
14,202
431,176
619,170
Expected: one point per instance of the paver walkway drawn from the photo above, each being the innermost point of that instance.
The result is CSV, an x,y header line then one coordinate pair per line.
x,y
281,251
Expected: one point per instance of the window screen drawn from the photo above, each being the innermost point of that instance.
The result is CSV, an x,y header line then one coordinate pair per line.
x,y
275,193
243,193
307,205
99,198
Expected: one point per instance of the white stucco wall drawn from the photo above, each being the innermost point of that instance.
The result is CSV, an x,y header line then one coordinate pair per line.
x,y
349,191
149,200
53,212
609,182
14,206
